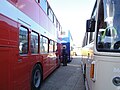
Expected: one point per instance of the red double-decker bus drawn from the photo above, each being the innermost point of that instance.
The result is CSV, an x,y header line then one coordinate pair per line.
x,y
28,43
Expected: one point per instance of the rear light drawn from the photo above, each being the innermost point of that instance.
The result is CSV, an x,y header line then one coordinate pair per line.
x,y
92,71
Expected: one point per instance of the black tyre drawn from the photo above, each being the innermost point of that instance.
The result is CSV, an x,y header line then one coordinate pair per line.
x,y
36,77
84,75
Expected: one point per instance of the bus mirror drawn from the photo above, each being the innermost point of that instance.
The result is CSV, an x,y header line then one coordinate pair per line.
x,y
90,25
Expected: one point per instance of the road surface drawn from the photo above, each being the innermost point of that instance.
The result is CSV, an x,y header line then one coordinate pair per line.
x,y
68,77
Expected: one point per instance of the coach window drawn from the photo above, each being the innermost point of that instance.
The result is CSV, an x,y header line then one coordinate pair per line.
x,y
23,40
43,44
34,43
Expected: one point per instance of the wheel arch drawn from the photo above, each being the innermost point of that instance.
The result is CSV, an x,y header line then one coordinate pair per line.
x,y
41,66
38,64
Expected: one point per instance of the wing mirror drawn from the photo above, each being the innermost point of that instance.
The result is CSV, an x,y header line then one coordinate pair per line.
x,y
90,25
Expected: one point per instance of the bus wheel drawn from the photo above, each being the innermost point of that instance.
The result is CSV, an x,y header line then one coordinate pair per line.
x,y
36,77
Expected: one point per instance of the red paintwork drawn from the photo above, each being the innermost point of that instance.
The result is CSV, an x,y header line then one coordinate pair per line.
x,y
8,52
16,75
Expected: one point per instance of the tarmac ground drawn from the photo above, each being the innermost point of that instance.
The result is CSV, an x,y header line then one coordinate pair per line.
x,y
68,77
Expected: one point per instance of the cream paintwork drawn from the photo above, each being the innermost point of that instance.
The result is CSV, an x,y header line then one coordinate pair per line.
x,y
107,66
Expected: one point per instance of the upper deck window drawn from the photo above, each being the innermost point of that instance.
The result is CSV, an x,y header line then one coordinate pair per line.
x,y
50,14
38,1
43,4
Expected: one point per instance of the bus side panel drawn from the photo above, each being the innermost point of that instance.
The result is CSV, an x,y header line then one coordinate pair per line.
x,y
8,47
86,65
106,68
5,69
29,7
7,58
46,65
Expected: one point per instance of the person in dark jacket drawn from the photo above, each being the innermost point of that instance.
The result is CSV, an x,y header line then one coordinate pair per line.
x,y
64,55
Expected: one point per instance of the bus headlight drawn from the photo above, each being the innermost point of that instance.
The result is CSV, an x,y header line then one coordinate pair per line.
x,y
116,81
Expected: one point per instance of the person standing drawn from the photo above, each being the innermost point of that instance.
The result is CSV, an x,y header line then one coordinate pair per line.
x,y
64,55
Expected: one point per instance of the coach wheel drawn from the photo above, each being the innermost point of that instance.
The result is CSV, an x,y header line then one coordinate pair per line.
x,y
36,78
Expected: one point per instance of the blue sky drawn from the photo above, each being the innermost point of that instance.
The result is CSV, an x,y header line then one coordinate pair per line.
x,y
72,15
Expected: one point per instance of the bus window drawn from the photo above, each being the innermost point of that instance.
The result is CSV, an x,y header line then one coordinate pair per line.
x,y
55,20
109,23
43,44
23,40
38,1
34,43
55,47
43,4
51,46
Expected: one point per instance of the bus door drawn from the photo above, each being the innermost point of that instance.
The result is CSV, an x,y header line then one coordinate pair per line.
x,y
21,67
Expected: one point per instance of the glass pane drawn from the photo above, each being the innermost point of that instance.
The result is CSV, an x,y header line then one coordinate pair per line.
x,y
23,40
109,26
55,46
51,46
43,44
34,43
